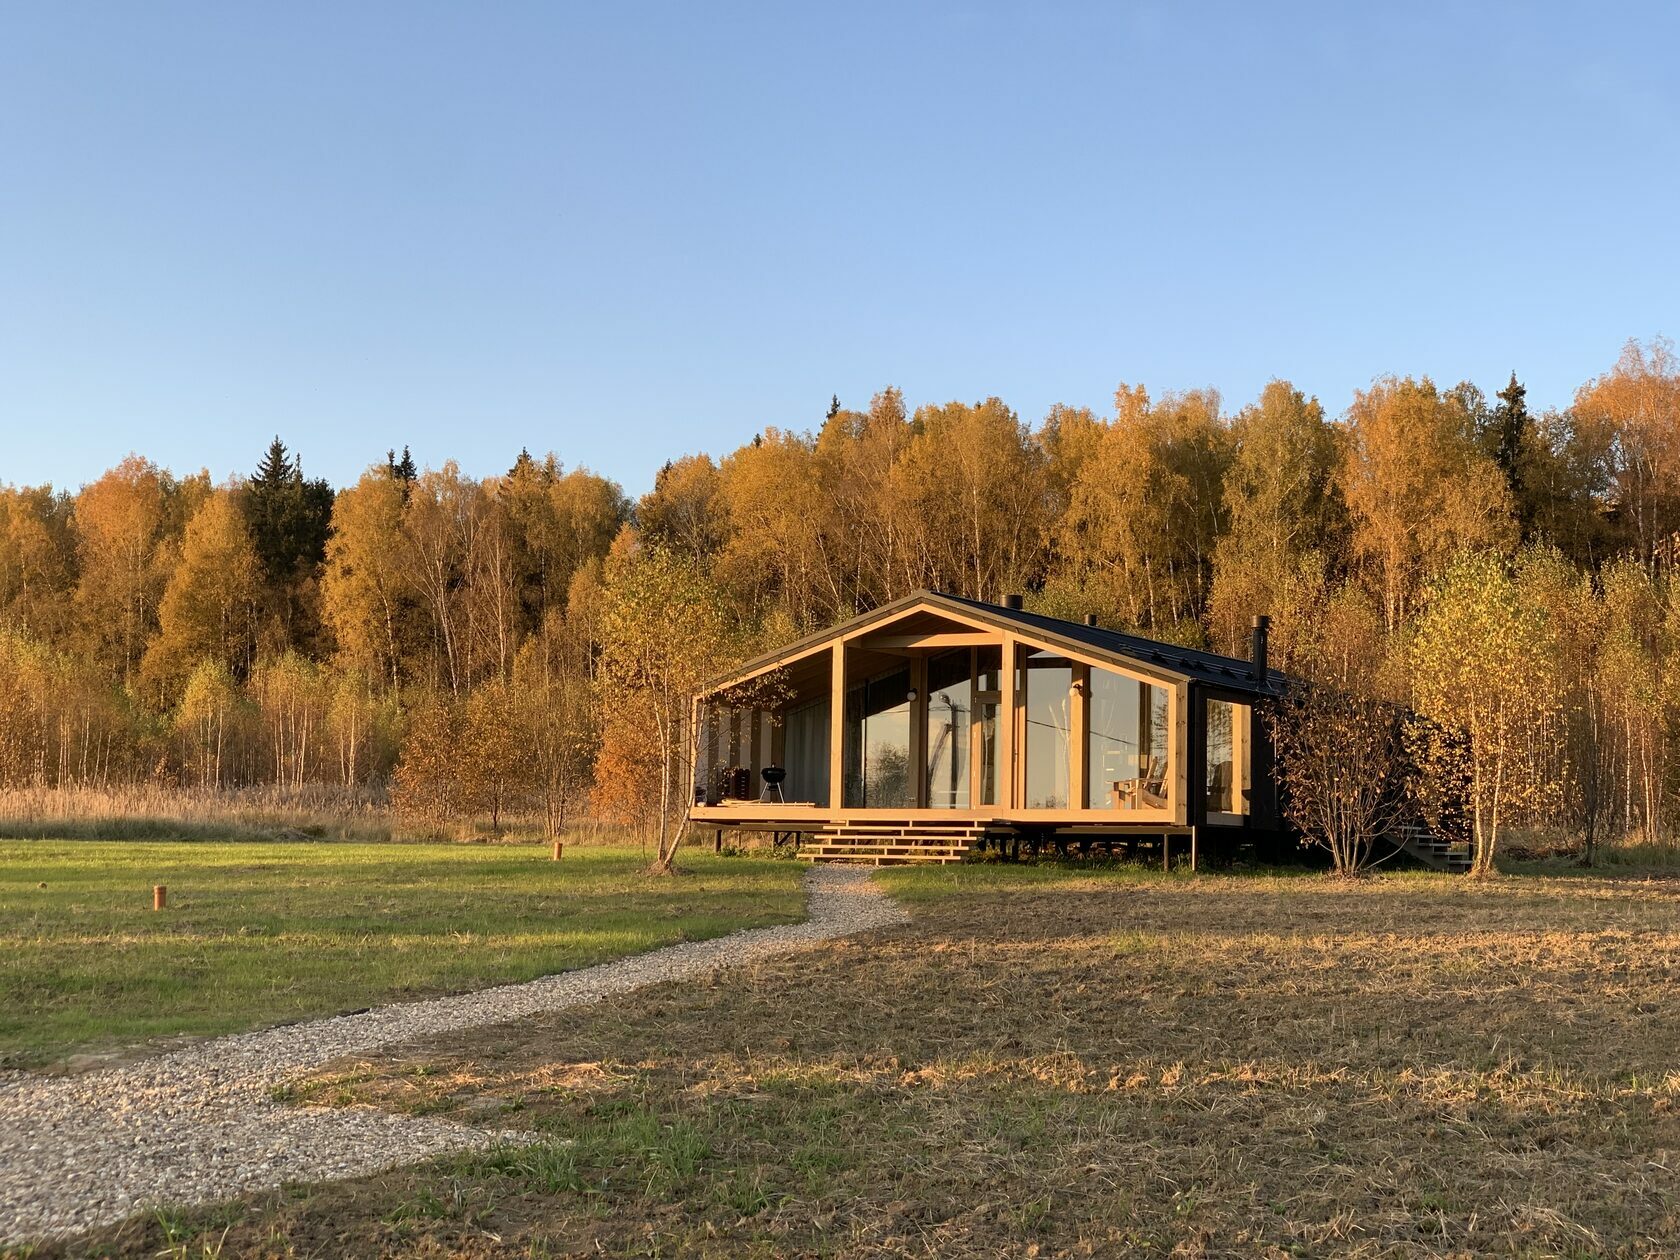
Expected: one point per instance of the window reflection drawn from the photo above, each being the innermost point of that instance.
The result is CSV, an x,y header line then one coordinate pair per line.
x,y
1227,757
1048,688
1127,761
877,769
949,719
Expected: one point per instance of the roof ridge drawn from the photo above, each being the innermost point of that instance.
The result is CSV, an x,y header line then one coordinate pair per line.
x,y
1153,645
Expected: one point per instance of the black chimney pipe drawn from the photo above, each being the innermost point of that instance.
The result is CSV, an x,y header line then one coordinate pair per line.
x,y
1257,650
1013,601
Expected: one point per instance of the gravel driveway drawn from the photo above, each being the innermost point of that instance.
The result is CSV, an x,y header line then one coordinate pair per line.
x,y
200,1124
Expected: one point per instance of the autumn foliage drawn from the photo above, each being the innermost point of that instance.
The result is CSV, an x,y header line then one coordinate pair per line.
x,y
523,646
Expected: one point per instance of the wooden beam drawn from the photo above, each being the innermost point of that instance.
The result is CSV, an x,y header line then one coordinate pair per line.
x,y
1180,752
696,728
1079,734
976,766
757,744
903,642
918,732
837,728
1008,796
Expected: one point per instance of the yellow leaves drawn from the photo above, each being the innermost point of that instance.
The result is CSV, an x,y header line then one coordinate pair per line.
x,y
1418,485
1484,663
209,609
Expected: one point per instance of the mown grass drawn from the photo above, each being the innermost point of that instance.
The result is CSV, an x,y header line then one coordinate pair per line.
x,y
1057,1062
258,933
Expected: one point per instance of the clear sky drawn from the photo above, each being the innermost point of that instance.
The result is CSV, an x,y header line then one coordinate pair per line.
x,y
624,232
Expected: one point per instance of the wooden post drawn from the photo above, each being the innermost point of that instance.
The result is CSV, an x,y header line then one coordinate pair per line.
x,y
918,731
1079,734
559,846
1007,757
160,896
837,728
1182,760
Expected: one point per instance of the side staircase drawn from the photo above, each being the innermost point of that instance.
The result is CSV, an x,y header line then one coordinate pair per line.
x,y
1417,840
895,841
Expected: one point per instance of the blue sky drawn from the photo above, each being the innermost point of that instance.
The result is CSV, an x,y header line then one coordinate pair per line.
x,y
626,232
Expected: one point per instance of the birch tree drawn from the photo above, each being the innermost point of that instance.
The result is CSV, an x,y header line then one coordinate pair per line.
x,y
1480,661
665,632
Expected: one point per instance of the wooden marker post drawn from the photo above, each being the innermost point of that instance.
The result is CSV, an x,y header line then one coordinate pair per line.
x,y
160,895
558,845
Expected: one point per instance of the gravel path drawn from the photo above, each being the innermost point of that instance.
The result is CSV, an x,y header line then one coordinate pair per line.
x,y
200,1124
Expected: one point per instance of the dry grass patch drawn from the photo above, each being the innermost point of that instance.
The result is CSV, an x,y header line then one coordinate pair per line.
x,y
1089,1066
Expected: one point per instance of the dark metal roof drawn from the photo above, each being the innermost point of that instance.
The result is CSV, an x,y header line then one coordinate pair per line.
x,y
1209,668
1206,667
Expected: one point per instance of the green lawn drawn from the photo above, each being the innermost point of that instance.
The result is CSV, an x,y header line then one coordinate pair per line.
x,y
258,934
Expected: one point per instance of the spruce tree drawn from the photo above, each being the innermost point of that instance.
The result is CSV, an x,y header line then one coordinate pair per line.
x,y
288,518
404,468
275,467
1507,428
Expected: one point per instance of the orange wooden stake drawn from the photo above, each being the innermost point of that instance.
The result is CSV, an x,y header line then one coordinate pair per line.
x,y
557,848
159,893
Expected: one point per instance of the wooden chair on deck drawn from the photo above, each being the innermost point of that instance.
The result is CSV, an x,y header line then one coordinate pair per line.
x,y
1147,791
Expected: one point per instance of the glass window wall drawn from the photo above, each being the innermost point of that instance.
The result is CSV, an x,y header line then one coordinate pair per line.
x,y
950,718
1127,759
1047,714
807,740
1227,757
877,760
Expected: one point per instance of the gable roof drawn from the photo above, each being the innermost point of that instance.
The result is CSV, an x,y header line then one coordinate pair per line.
x,y
1210,668
1192,663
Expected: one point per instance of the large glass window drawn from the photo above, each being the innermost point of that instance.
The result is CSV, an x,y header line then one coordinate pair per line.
x,y
949,718
1227,757
878,743
988,703
736,747
1126,764
806,742
1049,684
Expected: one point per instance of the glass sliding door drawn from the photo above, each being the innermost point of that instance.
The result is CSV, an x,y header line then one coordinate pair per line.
x,y
950,717
1046,717
807,753
877,752
1127,758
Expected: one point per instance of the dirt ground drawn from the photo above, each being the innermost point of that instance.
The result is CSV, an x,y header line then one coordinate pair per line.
x,y
1075,1065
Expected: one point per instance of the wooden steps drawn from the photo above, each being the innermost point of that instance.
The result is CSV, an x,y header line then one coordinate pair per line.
x,y
1417,840
895,842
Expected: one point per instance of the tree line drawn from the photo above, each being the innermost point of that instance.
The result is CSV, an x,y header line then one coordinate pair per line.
x,y
487,646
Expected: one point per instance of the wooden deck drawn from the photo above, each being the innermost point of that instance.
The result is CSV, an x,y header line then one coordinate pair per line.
x,y
888,837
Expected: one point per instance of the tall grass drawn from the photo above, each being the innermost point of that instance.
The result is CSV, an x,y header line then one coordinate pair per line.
x,y
155,811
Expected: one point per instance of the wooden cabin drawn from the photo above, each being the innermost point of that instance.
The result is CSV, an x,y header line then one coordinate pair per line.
x,y
936,725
